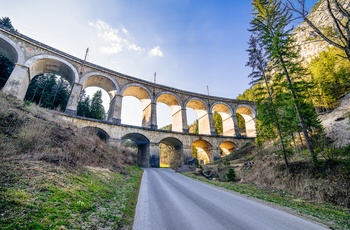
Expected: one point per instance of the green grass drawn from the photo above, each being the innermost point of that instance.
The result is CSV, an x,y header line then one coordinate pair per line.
x,y
42,196
332,216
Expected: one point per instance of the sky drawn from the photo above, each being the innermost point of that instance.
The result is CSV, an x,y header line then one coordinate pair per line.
x,y
190,44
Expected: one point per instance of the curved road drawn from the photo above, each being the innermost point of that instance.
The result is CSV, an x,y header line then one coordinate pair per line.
x,y
168,200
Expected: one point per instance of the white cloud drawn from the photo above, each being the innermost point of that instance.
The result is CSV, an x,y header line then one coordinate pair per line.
x,y
156,51
115,41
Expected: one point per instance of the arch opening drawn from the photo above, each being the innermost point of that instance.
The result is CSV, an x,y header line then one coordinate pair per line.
x,y
49,90
141,146
226,148
169,114
93,103
202,122
170,153
223,121
136,100
8,58
100,82
131,111
202,151
100,133
246,121
49,65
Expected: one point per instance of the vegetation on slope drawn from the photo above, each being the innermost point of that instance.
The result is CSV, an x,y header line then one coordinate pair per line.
x,y
321,192
56,177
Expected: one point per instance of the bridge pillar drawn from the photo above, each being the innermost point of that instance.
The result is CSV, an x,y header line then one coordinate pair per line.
x,y
154,155
18,82
250,127
72,104
228,126
187,152
206,124
115,110
235,125
215,153
149,116
180,121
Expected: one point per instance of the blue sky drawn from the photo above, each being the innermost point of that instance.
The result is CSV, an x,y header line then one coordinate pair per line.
x,y
189,43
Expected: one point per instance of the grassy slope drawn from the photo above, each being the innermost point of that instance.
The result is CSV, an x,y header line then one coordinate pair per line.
x,y
267,170
54,177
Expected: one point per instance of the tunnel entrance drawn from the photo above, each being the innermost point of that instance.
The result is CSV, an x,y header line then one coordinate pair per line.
x,y
141,144
170,153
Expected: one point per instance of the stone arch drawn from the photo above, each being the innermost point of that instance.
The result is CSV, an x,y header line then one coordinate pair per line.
x,y
51,64
101,80
137,90
172,148
226,113
177,113
248,113
174,99
227,147
11,50
143,143
142,93
13,83
205,121
204,151
100,133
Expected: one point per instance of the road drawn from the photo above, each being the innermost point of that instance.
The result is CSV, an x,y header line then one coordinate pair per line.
x,y
168,200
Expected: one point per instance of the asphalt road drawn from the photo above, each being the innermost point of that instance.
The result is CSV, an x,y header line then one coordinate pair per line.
x,y
168,200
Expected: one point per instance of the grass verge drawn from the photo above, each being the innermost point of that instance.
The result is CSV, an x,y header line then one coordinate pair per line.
x,y
39,195
335,217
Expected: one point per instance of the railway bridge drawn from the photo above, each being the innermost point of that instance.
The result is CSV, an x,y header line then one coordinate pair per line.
x,y
32,58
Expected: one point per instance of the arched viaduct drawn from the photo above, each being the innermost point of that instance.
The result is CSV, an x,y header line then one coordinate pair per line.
x,y
32,58
208,147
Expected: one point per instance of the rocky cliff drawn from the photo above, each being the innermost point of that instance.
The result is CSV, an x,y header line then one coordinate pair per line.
x,y
310,42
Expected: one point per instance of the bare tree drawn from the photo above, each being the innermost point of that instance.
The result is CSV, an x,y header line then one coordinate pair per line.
x,y
338,33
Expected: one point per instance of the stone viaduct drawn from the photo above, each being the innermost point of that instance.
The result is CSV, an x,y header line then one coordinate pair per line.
x,y
32,58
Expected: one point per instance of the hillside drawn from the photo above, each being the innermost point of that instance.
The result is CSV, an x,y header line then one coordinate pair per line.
x,y
336,123
54,176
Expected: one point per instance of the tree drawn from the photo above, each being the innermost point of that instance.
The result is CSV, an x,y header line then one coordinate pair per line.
x,y
97,110
271,24
258,63
49,91
330,77
5,22
83,108
338,34
217,123
6,67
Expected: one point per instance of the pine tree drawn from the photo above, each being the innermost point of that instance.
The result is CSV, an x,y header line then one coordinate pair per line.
x,y
271,25
5,22
6,67
49,91
258,63
97,109
83,108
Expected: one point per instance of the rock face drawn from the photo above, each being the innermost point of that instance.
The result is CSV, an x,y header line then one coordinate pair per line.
x,y
337,122
309,42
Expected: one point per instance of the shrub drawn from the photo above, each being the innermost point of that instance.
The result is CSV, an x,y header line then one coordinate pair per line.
x,y
231,175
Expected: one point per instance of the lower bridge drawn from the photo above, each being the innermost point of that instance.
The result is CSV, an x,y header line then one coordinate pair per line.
x,y
207,148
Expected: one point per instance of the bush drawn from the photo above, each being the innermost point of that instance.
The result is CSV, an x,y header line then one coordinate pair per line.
x,y
231,175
